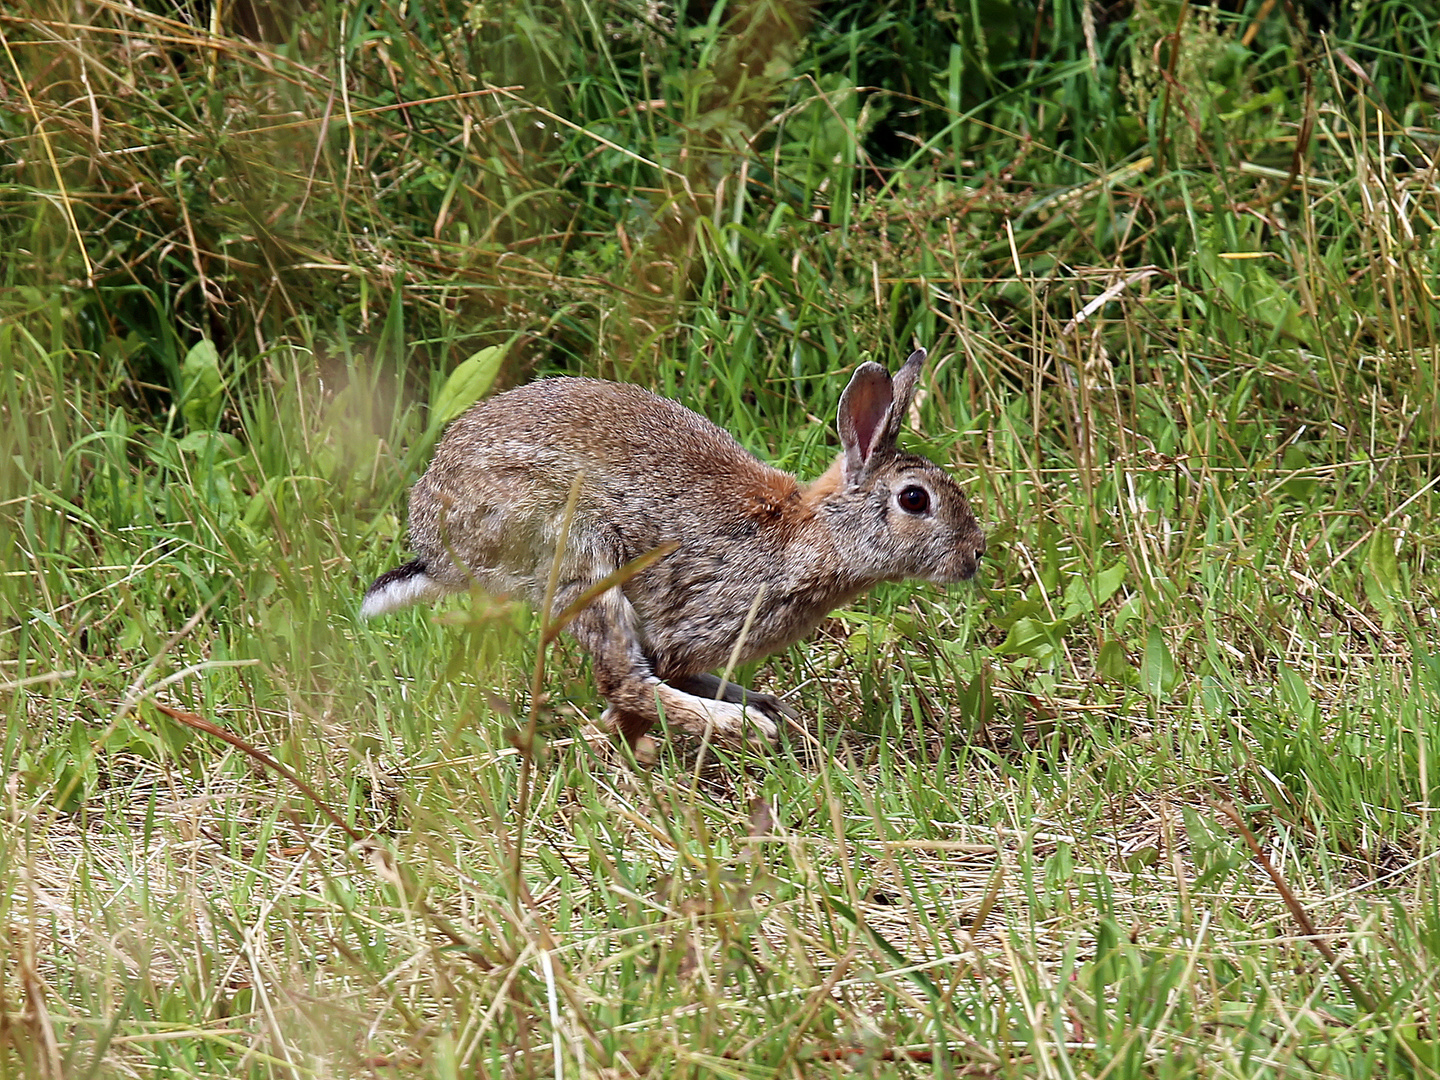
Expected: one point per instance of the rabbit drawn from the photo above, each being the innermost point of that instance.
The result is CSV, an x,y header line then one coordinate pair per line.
x,y
489,512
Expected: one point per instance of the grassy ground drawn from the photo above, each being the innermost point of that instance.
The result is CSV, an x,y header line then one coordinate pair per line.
x,y
1153,798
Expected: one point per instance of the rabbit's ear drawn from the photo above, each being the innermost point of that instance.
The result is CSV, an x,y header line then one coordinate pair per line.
x,y
872,409
905,382
864,414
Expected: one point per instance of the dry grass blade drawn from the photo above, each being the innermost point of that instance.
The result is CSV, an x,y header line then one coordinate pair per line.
x,y
1307,926
199,723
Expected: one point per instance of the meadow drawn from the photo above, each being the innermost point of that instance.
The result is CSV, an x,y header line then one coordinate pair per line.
x,y
1152,797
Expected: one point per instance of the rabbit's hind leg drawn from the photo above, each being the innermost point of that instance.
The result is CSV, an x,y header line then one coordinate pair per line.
x,y
708,686
725,721
609,630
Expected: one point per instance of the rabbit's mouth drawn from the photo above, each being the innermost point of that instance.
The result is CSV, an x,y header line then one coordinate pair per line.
x,y
966,571
963,566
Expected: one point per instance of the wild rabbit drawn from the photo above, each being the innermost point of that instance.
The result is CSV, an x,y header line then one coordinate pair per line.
x,y
488,512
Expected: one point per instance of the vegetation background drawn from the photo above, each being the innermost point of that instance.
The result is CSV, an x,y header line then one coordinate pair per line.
x,y
1155,798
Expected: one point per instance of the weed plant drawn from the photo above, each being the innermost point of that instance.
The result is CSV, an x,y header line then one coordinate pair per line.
x,y
1151,799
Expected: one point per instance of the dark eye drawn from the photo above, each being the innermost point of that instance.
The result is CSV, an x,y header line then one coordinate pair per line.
x,y
914,499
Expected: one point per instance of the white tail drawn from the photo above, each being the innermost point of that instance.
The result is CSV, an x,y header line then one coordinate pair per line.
x,y
401,587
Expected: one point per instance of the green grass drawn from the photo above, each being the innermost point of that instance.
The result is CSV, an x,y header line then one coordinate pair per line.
x,y
1178,274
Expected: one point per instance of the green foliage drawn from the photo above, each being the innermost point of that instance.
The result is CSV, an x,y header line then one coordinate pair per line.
x,y
1177,267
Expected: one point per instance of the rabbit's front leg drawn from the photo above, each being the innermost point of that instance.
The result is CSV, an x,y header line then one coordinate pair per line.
x,y
609,630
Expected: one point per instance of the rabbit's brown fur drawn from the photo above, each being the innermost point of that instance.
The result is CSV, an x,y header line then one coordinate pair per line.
x,y
488,512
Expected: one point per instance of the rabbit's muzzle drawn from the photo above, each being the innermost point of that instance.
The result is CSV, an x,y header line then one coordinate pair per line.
x,y
962,562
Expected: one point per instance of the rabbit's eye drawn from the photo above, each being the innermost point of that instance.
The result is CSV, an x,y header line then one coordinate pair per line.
x,y
914,499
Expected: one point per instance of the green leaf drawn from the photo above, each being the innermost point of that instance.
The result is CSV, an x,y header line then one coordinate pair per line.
x,y
1158,673
1296,694
1089,593
1380,560
1140,858
1021,609
1217,855
918,979
1381,577
1253,291
1107,966
467,384
1417,1047
1050,560
202,390
1113,663
221,444
976,702
1269,100
1129,611
1034,637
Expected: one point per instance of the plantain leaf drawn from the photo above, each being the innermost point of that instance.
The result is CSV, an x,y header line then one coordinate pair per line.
x,y
201,396
467,384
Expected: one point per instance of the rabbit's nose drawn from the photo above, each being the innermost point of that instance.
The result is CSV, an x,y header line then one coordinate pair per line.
x,y
967,565
977,552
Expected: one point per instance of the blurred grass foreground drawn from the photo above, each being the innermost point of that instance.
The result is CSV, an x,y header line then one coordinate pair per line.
x,y
1154,798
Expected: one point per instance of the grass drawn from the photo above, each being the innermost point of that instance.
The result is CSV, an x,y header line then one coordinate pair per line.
x,y
1153,798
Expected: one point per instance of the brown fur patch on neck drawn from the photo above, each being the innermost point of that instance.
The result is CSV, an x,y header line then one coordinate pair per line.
x,y
776,501
774,497
822,487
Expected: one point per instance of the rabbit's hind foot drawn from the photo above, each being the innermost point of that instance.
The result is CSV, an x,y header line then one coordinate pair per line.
x,y
609,631
725,721
706,685
728,723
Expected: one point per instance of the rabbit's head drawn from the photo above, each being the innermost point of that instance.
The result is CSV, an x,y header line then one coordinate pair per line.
x,y
895,515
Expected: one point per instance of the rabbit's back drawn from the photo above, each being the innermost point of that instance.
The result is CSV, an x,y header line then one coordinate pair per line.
x,y
608,430
488,510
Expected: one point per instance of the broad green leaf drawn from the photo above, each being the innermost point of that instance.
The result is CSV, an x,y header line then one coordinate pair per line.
x,y
1129,611
1253,291
1295,693
201,395
220,444
1140,858
1381,562
1022,609
467,384
1216,854
1050,560
1418,1047
1114,664
1033,637
1089,593
1381,577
